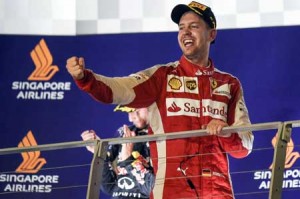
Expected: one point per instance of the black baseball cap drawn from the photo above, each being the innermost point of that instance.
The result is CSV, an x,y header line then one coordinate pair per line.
x,y
200,9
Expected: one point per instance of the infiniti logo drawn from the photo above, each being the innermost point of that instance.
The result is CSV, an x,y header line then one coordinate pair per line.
x,y
125,183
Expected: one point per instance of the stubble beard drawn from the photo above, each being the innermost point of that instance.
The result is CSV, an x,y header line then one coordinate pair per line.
x,y
191,54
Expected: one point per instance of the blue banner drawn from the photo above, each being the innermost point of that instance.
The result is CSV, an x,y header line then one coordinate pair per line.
x,y
40,104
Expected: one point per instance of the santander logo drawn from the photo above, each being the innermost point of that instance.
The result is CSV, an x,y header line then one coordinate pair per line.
x,y
174,108
190,107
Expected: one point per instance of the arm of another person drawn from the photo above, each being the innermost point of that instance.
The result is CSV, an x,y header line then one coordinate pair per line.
x,y
109,177
137,166
125,153
89,135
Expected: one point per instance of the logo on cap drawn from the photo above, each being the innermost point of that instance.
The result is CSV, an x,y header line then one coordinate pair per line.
x,y
197,5
200,9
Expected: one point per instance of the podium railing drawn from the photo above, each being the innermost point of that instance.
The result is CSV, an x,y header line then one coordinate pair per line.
x,y
93,192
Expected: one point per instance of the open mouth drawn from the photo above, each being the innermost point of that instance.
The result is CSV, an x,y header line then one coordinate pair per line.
x,y
187,42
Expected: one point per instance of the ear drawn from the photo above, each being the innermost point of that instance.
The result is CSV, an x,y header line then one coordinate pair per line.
x,y
213,34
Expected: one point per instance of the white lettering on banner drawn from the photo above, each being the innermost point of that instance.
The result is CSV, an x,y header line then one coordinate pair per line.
x,y
291,178
63,86
262,175
292,173
191,107
49,95
28,183
285,184
28,188
41,90
29,178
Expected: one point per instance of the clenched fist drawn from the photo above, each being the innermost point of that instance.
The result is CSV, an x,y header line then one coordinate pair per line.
x,y
75,67
89,135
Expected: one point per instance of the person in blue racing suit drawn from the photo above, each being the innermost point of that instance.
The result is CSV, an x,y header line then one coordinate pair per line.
x,y
127,172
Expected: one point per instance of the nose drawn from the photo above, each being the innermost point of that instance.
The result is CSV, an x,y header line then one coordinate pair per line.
x,y
186,31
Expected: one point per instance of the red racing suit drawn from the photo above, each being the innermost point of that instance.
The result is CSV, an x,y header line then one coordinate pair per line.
x,y
182,96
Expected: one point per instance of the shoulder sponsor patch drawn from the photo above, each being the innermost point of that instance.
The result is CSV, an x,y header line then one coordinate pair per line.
x,y
223,90
139,76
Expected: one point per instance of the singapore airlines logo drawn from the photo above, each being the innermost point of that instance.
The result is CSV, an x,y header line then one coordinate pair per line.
x,y
290,175
26,178
42,58
32,162
291,156
39,86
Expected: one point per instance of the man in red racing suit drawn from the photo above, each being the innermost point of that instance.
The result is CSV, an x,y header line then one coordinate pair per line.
x,y
182,96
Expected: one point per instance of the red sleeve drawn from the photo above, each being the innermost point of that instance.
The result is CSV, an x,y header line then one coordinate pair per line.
x,y
239,144
97,89
233,146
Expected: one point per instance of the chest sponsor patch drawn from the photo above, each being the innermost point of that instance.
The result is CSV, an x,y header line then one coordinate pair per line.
x,y
125,183
182,84
183,106
196,108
